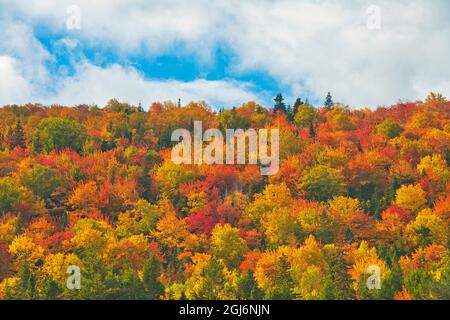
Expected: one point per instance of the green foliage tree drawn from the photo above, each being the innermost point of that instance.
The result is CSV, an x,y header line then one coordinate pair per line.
x,y
58,134
306,117
435,97
229,119
41,180
10,194
322,183
389,129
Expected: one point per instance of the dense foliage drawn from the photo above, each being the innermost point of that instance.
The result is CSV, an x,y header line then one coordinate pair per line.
x,y
96,188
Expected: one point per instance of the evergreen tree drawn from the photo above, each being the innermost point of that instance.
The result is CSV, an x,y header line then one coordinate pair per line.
x,y
50,289
25,288
391,191
337,281
248,288
284,283
126,286
328,101
151,273
94,280
312,131
279,103
36,144
2,141
140,109
297,104
441,289
376,204
290,113
214,279
16,137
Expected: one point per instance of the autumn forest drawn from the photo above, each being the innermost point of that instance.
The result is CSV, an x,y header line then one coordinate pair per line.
x,y
94,187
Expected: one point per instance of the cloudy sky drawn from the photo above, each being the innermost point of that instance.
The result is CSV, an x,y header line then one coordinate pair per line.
x,y
367,53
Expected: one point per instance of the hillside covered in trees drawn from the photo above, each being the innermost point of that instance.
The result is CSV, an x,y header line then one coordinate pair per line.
x,y
96,188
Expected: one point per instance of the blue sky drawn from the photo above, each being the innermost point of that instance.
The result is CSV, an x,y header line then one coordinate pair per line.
x,y
367,53
175,64
171,65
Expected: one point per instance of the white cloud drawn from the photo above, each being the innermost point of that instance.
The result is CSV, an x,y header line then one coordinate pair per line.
x,y
93,84
325,46
25,77
22,64
17,40
13,87
307,45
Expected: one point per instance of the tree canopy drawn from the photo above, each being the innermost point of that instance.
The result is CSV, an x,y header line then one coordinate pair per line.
x,y
359,192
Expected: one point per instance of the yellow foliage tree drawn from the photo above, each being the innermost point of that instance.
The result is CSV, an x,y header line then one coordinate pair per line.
x,y
140,220
345,206
227,244
272,273
361,259
89,234
308,268
279,226
24,249
411,198
427,228
436,168
55,266
209,278
171,231
273,196
8,228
